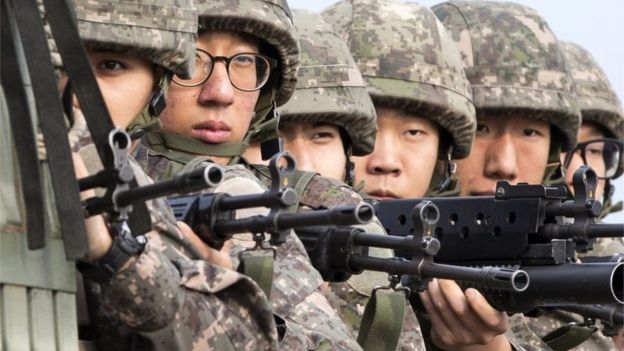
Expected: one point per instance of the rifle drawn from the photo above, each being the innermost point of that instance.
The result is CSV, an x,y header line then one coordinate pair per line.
x,y
213,215
119,197
520,227
338,252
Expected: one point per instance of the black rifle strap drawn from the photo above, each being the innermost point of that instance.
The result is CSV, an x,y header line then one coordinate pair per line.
x,y
51,120
22,130
76,64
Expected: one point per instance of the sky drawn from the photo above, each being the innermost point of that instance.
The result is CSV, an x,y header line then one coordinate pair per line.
x,y
596,25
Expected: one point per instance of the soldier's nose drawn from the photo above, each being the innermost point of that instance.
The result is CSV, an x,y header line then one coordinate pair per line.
x,y
501,162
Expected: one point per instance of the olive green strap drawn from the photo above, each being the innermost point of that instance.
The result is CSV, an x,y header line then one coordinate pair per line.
x,y
567,337
265,131
260,269
382,321
194,163
162,141
302,179
553,173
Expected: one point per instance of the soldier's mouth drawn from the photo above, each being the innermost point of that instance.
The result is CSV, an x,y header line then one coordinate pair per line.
x,y
383,194
212,132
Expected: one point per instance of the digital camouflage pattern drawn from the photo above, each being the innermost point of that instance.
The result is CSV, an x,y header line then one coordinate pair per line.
x,y
170,297
330,88
349,298
513,61
595,95
269,20
417,69
309,321
163,32
522,337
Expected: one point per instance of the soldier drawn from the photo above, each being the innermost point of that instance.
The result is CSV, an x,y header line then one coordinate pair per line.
x,y
526,114
421,95
419,85
602,119
600,147
330,116
246,66
171,291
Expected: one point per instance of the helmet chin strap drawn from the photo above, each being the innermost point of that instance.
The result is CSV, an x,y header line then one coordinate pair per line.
x,y
450,168
148,120
272,143
555,172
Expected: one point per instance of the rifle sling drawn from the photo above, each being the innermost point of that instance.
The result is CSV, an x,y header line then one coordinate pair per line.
x,y
382,321
78,67
22,131
567,337
259,268
52,123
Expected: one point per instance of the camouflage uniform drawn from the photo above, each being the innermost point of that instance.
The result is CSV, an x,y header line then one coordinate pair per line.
x,y
514,64
599,104
168,297
308,320
330,89
416,70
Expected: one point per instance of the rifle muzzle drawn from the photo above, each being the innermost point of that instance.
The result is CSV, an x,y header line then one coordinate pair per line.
x,y
565,284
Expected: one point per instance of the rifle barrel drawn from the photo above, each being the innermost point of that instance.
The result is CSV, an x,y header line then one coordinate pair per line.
x,y
516,280
605,230
287,197
492,277
611,314
195,180
563,285
387,241
341,215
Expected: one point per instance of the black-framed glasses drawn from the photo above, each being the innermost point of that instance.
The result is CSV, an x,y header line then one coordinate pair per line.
x,y
599,154
247,71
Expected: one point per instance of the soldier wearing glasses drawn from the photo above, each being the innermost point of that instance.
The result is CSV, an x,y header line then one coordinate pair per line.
x,y
600,147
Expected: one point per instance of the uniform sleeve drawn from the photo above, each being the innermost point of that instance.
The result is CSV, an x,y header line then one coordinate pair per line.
x,y
521,337
182,305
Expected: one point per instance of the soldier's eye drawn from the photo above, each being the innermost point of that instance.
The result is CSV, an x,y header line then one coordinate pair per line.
x,y
530,132
482,128
322,137
243,60
110,66
414,132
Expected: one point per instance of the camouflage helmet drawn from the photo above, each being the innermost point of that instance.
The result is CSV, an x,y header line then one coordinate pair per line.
x,y
162,31
595,95
409,63
269,20
330,87
513,62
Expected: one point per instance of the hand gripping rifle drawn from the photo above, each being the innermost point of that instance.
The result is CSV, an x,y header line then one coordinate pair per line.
x,y
337,252
213,215
520,227
120,198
